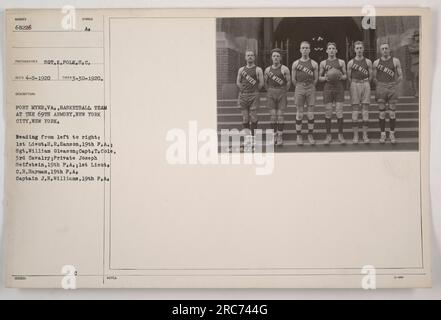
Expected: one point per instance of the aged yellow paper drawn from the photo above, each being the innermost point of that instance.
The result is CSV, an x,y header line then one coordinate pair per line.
x,y
115,179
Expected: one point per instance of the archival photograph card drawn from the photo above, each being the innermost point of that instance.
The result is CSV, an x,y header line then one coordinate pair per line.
x,y
227,148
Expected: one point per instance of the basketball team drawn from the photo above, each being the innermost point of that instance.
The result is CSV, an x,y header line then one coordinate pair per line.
x,y
385,72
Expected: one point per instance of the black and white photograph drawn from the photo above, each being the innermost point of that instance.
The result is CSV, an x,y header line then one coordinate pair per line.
x,y
217,149
317,84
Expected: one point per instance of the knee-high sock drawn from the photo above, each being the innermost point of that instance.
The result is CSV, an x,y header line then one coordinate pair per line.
x,y
253,127
382,124
328,125
310,126
392,124
274,127
280,127
340,125
299,126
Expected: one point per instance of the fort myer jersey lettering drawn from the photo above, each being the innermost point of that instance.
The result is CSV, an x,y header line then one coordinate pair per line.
x,y
360,69
305,71
276,79
386,70
248,78
332,64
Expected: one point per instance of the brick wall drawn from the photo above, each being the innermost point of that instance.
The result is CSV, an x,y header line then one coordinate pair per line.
x,y
228,63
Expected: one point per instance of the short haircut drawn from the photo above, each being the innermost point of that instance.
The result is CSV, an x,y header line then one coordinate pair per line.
x,y
250,50
303,42
384,43
358,43
276,50
331,44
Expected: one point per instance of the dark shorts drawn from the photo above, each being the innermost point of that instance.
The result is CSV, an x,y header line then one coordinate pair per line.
x,y
333,93
248,100
386,92
277,98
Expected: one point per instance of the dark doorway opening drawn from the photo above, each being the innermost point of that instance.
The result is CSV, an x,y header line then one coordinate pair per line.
x,y
344,31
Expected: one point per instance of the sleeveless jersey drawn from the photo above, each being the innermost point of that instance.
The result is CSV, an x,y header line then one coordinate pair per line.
x,y
386,71
276,79
329,65
248,79
333,64
360,69
305,71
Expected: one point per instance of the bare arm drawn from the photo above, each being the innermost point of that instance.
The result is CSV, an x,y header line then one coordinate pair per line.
x,y
316,71
369,63
265,78
343,69
350,63
322,77
374,71
259,73
399,70
287,75
294,72
239,85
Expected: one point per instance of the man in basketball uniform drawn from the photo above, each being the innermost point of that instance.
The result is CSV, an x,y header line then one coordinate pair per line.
x,y
359,76
277,82
387,75
304,79
333,92
249,81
